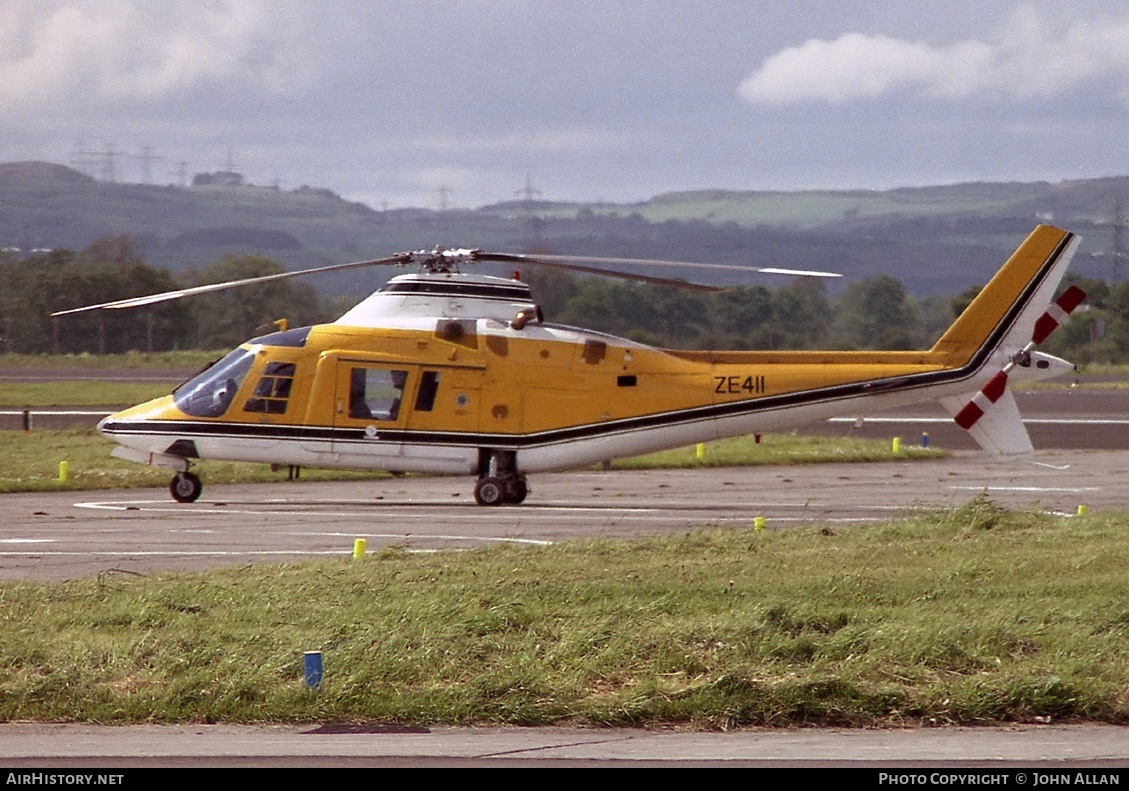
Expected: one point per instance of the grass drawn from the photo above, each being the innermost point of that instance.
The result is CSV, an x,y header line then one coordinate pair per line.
x,y
30,462
87,393
977,615
1105,369
190,359
777,449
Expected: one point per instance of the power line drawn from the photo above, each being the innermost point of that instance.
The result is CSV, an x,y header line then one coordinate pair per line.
x,y
444,193
147,158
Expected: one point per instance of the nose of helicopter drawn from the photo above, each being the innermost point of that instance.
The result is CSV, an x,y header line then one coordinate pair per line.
x,y
106,425
119,425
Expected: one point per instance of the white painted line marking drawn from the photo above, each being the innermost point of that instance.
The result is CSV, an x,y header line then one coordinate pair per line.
x,y
27,541
1076,421
1043,421
421,536
125,553
1028,488
67,412
1048,465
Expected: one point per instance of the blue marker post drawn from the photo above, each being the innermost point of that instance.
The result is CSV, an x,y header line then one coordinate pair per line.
x,y
312,661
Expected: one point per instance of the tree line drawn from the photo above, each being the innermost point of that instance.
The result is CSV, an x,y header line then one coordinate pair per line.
x,y
875,313
32,288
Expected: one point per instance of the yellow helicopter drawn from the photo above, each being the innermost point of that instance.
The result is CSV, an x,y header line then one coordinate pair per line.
x,y
442,371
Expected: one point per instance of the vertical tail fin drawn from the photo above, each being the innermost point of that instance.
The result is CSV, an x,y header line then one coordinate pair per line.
x,y
1008,307
996,334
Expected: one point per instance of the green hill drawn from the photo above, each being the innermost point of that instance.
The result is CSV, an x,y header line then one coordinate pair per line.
x,y
936,239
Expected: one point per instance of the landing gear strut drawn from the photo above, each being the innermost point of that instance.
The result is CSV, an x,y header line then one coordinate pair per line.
x,y
185,487
499,482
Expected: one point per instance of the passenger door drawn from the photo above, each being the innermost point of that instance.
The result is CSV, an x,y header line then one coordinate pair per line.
x,y
423,417
369,410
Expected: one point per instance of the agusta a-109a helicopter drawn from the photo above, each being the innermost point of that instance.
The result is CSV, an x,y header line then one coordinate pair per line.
x,y
447,372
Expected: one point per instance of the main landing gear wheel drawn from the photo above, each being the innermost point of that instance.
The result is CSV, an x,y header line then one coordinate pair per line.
x,y
499,483
185,487
489,491
498,491
516,491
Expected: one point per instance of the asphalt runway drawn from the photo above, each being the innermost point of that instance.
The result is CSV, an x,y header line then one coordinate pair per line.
x,y
997,753
74,534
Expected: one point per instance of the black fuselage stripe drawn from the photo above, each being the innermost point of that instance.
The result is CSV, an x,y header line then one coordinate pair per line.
x,y
614,427
457,290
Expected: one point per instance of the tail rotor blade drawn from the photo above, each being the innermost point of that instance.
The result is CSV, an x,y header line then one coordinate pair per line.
x,y
989,394
1055,314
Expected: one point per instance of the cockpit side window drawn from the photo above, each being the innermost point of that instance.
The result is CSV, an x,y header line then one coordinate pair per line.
x,y
272,390
209,393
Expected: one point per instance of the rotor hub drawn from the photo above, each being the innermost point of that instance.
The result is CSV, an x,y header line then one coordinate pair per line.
x,y
442,261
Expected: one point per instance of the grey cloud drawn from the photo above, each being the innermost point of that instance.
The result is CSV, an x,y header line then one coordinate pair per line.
x,y
608,99
1026,59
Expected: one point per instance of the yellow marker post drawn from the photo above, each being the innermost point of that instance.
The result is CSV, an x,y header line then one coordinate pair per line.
x,y
1081,510
758,524
700,451
896,446
64,471
359,548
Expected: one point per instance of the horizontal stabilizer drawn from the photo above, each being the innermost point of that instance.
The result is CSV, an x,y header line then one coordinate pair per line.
x,y
998,429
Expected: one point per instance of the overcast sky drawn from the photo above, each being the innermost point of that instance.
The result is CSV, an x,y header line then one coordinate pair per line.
x,y
389,102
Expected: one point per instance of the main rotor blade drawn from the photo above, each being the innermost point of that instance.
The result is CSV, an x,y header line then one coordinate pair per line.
x,y
550,263
165,296
572,262
452,257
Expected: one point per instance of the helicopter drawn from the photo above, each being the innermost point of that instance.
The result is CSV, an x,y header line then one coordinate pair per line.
x,y
444,371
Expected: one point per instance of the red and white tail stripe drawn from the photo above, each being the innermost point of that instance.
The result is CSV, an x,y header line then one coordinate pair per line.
x,y
1055,314
972,411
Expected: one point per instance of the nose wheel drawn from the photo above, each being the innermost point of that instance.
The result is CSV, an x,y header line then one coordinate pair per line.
x,y
185,487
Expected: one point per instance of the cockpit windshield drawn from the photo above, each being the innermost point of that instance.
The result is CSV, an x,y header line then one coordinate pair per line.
x,y
209,393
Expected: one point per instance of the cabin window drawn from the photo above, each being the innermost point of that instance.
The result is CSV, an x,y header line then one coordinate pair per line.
x,y
273,389
210,392
428,388
375,393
